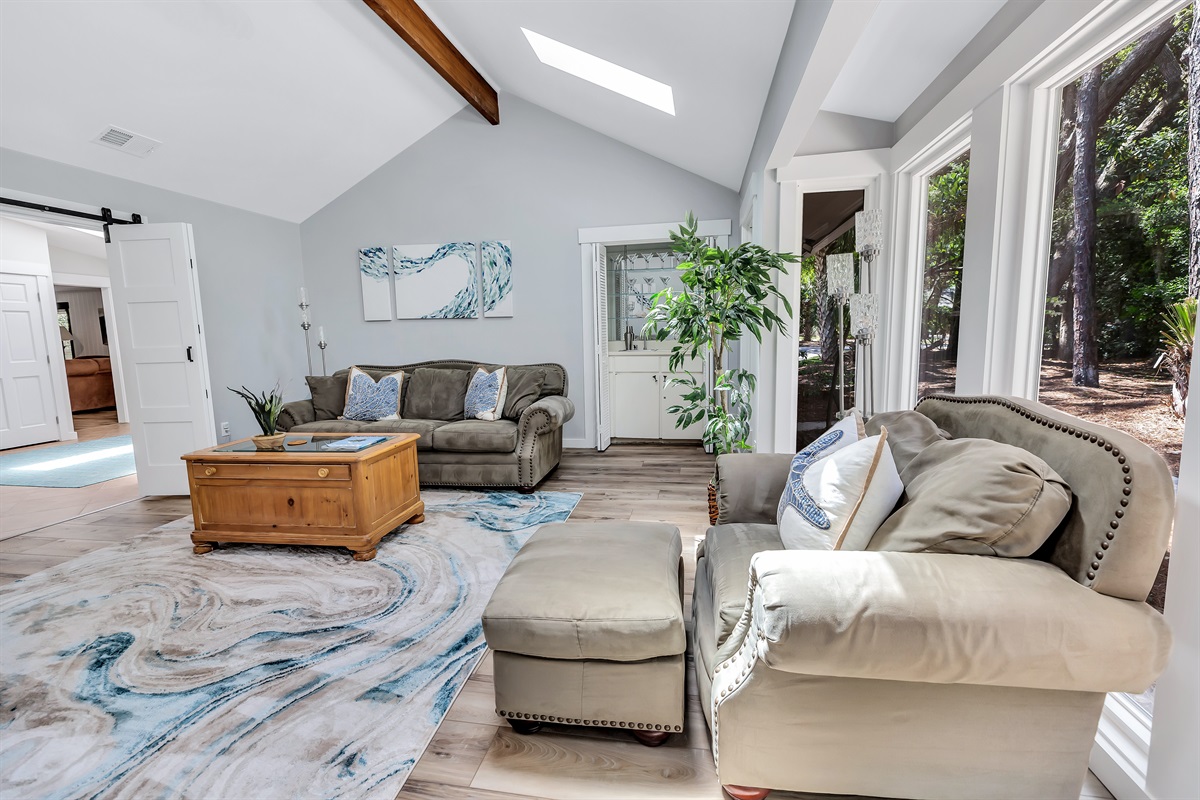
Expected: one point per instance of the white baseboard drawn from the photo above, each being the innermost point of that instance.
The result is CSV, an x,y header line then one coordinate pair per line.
x,y
1119,754
578,444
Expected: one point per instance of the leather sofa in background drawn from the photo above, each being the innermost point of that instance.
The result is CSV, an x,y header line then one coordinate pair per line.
x,y
90,384
506,453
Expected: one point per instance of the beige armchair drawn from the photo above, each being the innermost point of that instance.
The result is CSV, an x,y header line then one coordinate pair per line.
x,y
924,675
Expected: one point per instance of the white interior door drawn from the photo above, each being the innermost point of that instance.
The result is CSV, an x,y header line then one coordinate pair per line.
x,y
603,394
159,333
27,414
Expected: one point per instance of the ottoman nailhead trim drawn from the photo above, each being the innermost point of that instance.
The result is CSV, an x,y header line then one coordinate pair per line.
x,y
602,723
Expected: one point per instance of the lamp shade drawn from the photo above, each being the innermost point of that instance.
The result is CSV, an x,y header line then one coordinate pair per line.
x,y
839,274
868,231
864,313
66,335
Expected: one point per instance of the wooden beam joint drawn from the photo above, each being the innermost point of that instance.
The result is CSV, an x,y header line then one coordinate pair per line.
x,y
413,25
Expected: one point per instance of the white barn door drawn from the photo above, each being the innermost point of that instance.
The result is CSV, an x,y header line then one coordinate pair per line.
x,y
165,371
603,396
27,407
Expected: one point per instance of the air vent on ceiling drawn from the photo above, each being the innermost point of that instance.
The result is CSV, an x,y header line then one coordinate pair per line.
x,y
127,141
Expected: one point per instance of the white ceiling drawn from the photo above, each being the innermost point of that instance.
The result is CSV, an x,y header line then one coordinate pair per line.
x,y
717,56
906,44
273,107
67,238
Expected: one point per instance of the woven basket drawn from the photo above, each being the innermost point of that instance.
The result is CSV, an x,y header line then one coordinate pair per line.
x,y
713,510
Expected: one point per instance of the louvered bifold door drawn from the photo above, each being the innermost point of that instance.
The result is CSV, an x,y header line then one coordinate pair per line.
x,y
600,292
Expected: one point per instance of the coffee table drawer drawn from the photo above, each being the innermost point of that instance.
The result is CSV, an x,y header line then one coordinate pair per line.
x,y
282,472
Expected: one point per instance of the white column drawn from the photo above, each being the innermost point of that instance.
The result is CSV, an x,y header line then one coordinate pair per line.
x,y
1175,734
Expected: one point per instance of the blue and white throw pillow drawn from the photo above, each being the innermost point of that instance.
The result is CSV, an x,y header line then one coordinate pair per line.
x,y
486,394
845,433
368,400
839,501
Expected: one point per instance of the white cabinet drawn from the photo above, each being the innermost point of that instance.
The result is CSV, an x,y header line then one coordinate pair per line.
x,y
641,397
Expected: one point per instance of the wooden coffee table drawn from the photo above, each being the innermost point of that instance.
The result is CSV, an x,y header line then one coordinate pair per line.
x,y
305,493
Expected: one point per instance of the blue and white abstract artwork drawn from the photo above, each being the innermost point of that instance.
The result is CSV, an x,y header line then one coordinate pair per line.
x,y
497,279
436,281
376,278
254,671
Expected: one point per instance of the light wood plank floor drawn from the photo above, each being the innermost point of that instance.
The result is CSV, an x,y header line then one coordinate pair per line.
x,y
474,753
28,508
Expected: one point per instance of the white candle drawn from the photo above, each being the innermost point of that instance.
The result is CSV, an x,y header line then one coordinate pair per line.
x,y
303,295
321,333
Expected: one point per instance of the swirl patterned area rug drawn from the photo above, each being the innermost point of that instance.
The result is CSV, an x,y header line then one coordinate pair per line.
x,y
251,672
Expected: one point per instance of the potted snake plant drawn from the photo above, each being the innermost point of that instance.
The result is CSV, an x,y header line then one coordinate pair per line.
x,y
265,407
726,294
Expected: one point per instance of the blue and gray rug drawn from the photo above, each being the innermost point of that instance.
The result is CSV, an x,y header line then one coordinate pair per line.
x,y
142,670
68,466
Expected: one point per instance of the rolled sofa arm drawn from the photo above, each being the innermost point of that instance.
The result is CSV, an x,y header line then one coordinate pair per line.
x,y
942,618
749,486
547,414
296,413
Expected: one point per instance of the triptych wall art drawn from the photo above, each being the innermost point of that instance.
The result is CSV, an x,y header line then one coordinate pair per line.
x,y
437,281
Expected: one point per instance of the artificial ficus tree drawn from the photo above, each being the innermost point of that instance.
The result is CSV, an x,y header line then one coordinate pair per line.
x,y
726,294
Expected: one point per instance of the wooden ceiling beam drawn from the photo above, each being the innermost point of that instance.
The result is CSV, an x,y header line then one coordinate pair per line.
x,y
415,27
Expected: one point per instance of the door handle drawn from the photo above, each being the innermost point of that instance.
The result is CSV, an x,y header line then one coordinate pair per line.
x,y
189,353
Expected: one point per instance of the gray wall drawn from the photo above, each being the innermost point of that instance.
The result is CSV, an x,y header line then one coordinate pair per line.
x,y
535,180
248,267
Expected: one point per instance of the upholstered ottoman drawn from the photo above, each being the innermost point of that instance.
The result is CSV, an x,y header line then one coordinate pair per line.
x,y
587,629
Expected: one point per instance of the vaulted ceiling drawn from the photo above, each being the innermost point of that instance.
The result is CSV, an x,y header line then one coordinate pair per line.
x,y
279,107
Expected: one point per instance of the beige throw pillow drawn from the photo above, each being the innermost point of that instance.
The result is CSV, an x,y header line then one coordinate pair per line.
x,y
975,496
909,432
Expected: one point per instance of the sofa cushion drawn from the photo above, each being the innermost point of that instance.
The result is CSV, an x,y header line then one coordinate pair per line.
x,y
329,426
424,427
727,550
591,590
82,366
909,432
328,394
476,436
975,496
524,388
436,394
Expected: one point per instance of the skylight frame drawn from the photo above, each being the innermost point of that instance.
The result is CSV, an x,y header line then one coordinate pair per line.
x,y
605,74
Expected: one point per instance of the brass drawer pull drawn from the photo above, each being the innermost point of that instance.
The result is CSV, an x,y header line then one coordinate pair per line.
x,y
322,472
210,471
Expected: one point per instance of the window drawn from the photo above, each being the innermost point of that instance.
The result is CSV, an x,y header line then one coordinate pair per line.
x,y
941,296
1119,249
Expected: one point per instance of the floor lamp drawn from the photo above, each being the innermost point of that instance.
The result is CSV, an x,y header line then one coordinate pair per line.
x,y
839,283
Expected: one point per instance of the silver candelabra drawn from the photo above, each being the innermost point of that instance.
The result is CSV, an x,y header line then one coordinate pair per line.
x,y
306,323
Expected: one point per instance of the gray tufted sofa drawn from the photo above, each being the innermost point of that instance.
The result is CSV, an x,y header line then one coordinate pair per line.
x,y
466,452
932,675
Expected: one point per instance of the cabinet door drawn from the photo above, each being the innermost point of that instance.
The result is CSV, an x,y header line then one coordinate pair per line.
x,y
671,396
636,400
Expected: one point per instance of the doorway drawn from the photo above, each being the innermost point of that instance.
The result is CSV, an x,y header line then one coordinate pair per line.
x,y
827,229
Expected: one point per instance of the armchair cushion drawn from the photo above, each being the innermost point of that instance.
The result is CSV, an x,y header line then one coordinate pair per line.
x,y
947,618
727,551
975,496
909,432
749,486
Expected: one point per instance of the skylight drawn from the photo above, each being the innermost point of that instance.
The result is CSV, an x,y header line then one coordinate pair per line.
x,y
602,73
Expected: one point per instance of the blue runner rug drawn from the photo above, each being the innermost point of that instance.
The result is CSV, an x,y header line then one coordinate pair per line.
x,y
69,466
